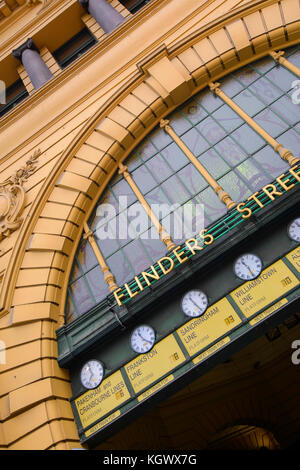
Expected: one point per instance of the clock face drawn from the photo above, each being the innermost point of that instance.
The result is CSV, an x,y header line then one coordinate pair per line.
x,y
92,374
194,303
248,266
142,339
294,230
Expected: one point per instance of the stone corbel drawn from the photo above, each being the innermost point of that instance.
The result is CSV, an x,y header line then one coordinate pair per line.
x,y
12,197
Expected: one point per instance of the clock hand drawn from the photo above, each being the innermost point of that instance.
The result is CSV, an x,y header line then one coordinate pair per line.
x,y
147,341
195,303
90,371
250,270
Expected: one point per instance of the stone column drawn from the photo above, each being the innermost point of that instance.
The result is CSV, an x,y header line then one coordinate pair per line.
x,y
106,15
34,65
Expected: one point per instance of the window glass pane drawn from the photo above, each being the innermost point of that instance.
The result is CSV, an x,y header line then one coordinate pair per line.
x,y
195,142
235,186
175,190
76,270
212,132
294,56
213,207
214,163
291,140
133,162
263,65
192,178
107,245
118,228
97,284
231,151
137,256
282,77
160,138
158,167
146,149
208,100
174,156
74,47
70,311
153,244
193,112
180,124
138,220
85,256
228,118
265,91
122,188
107,209
143,179
287,109
119,266
157,198
14,94
246,75
249,103
251,173
271,162
248,139
271,123
230,86
81,296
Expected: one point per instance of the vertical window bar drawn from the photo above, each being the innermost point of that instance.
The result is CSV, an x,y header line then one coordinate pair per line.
x,y
223,195
284,153
278,57
108,276
164,235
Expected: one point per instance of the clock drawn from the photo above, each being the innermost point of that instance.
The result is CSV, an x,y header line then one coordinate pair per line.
x,y
91,374
248,266
194,303
142,339
294,230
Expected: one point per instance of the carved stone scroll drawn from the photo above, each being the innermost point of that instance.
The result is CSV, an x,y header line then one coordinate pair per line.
x,y
12,197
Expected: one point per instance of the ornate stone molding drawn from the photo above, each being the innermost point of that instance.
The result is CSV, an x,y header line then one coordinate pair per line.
x,y
12,197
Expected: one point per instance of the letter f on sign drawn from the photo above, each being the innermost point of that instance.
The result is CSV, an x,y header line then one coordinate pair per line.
x,y
2,92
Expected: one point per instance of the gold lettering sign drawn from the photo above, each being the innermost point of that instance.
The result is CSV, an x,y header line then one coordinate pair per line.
x,y
211,350
294,258
216,321
156,387
273,282
268,312
96,403
147,368
103,423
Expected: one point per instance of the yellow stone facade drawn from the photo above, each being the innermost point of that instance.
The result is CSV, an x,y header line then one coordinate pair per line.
x,y
84,122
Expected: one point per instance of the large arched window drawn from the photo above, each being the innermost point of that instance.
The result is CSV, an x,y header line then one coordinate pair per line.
x,y
237,157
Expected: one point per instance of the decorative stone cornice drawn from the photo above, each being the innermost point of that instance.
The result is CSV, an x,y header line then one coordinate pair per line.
x,y
12,197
